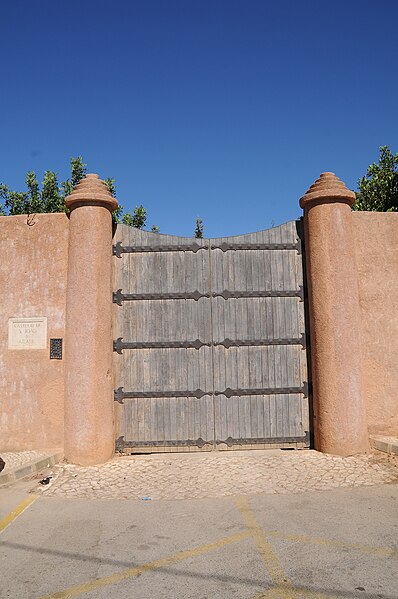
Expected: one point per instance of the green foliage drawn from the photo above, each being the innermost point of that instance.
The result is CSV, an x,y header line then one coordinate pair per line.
x,y
110,183
136,219
3,196
199,229
155,229
78,170
17,202
378,191
117,214
51,196
33,187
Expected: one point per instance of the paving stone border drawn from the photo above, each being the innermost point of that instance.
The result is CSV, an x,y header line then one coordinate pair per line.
x,y
20,464
386,444
218,474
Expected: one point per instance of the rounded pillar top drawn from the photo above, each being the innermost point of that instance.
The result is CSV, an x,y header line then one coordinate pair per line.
x,y
91,191
326,190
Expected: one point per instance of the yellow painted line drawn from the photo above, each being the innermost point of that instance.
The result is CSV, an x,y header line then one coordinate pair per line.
x,y
100,583
384,551
271,560
283,588
304,593
17,511
276,592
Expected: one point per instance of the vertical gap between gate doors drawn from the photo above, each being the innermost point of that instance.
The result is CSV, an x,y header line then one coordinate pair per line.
x,y
212,347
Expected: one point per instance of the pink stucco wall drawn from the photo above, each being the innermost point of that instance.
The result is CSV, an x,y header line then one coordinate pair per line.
x,y
33,273
33,279
376,236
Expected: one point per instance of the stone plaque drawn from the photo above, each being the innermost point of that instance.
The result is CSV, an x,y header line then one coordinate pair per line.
x,y
27,333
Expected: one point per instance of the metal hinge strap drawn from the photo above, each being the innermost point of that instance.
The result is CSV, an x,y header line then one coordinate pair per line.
x,y
119,345
118,249
119,297
120,394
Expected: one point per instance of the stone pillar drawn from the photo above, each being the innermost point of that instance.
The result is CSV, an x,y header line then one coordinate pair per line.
x,y
340,425
89,426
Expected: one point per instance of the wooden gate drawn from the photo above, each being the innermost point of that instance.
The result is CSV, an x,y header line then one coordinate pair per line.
x,y
209,341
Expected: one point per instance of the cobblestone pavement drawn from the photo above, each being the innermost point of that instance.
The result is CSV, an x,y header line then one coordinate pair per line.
x,y
16,459
218,474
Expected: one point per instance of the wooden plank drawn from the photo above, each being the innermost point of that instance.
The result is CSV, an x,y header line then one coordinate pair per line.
x,y
155,272
254,416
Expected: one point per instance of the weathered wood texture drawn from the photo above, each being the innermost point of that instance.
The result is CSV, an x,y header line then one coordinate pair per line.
x,y
267,330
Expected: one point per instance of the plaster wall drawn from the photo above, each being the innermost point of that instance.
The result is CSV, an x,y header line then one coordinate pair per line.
x,y
376,244
33,283
33,274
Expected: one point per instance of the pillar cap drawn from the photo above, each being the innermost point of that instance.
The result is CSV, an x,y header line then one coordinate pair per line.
x,y
327,189
91,191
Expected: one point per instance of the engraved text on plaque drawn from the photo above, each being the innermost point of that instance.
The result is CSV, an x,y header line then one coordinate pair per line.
x,y
27,333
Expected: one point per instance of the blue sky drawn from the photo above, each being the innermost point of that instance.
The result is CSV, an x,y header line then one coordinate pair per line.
x,y
223,109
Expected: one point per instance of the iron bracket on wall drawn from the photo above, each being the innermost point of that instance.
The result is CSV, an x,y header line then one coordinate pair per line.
x,y
119,345
120,394
119,297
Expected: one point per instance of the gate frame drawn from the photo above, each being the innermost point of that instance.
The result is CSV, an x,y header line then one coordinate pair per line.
x,y
340,422
127,244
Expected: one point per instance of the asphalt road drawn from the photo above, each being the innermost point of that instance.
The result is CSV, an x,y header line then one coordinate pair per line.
x,y
341,543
